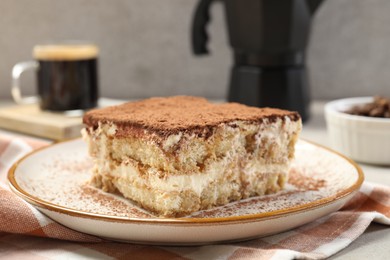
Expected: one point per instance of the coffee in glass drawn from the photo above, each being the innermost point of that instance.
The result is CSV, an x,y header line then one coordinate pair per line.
x,y
67,76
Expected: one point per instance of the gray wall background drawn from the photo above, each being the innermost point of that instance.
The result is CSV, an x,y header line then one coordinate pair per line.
x,y
145,49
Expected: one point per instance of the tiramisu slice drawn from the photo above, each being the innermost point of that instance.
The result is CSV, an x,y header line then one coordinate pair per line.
x,y
177,155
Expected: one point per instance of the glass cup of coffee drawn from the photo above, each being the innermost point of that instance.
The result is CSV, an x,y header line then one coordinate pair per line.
x,y
67,77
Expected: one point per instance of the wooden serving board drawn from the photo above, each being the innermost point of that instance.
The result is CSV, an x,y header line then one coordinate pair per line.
x,y
30,119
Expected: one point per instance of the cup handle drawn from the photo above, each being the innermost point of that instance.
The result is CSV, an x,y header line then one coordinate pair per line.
x,y
17,71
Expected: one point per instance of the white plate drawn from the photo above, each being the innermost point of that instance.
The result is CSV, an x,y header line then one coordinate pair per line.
x,y
55,180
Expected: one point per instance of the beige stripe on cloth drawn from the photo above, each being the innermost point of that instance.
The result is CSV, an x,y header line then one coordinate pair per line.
x,y
27,233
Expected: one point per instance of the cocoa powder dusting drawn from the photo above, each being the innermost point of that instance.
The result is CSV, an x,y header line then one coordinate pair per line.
x,y
107,200
166,116
304,182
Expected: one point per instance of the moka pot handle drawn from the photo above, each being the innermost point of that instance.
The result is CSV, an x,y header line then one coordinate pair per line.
x,y
199,36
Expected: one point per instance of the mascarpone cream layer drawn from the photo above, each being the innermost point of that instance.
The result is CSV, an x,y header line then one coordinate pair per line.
x,y
195,182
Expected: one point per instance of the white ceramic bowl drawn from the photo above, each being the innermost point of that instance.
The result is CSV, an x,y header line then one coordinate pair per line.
x,y
364,139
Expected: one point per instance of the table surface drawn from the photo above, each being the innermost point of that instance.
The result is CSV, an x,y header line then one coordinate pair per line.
x,y
375,241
